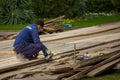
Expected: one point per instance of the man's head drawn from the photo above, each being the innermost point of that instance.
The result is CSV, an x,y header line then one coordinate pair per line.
x,y
40,24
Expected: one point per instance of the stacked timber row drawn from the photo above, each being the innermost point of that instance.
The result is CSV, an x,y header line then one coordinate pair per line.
x,y
64,65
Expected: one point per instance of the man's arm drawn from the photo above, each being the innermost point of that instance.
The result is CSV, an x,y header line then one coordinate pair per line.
x,y
35,36
36,40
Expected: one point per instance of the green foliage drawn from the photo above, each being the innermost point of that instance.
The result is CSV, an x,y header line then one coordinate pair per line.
x,y
14,12
24,11
55,8
82,8
116,4
100,6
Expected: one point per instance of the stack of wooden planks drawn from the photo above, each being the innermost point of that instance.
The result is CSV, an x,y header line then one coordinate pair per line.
x,y
52,26
63,66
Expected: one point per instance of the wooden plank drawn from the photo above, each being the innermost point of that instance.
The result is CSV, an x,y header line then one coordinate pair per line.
x,y
87,43
103,47
102,68
82,45
4,76
78,75
19,70
90,50
56,76
55,19
39,70
16,72
79,32
26,64
52,23
83,68
22,65
115,56
58,69
93,43
9,42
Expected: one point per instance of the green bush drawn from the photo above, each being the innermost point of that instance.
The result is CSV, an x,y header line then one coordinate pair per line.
x,y
54,8
14,12
26,11
100,6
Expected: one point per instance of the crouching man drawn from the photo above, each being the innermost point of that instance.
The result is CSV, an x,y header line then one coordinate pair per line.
x,y
27,44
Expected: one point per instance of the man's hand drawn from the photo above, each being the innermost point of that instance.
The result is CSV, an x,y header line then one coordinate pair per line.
x,y
50,54
48,51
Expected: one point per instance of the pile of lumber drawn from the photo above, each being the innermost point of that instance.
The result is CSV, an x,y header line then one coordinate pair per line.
x,y
63,67
76,70
94,66
91,67
52,26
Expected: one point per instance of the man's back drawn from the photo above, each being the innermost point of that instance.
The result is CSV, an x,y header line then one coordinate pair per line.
x,y
25,36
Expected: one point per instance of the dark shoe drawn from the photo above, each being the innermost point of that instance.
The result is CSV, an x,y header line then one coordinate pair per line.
x,y
49,56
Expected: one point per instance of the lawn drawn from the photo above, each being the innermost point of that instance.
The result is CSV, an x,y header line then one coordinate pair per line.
x,y
12,27
78,22
110,75
96,21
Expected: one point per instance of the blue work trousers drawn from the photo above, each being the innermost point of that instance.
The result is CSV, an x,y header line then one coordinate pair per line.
x,y
31,49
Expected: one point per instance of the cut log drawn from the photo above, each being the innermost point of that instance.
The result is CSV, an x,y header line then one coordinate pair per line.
x,y
103,68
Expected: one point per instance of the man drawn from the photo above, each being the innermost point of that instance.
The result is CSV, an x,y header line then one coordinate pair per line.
x,y
27,43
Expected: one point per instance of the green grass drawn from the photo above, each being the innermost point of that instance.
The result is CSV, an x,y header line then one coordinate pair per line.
x,y
79,23
111,75
96,21
12,27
